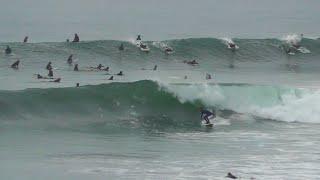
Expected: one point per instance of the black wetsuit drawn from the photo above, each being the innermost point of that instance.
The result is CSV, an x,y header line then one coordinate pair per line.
x,y
76,38
205,114
69,59
50,74
49,67
15,65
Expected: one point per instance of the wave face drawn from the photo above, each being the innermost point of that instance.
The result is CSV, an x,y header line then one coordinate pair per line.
x,y
149,106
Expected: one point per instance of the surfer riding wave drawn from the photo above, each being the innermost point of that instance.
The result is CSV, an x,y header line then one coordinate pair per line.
x,y
206,115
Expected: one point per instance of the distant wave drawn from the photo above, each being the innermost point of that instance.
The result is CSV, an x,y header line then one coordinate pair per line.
x,y
203,48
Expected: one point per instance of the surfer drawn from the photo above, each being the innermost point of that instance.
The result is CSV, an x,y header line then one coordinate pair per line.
x,y
168,50
50,74
67,40
99,67
76,38
208,76
39,76
76,67
69,61
25,40
205,115
139,38
49,67
193,62
106,69
231,176
8,50
15,65
155,67
121,47
232,45
120,73
111,78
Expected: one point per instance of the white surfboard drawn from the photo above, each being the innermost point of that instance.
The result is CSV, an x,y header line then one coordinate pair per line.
x,y
204,123
145,49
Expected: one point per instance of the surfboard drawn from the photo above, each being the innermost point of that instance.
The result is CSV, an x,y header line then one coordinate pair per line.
x,y
209,125
146,49
203,123
236,47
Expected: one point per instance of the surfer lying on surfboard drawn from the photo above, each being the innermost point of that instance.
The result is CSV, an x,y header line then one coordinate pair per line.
x,y
206,114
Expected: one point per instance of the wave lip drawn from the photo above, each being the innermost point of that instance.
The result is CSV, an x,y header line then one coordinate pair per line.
x,y
267,102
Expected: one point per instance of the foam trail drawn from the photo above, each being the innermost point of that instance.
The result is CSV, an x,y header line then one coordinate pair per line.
x,y
292,39
282,104
228,41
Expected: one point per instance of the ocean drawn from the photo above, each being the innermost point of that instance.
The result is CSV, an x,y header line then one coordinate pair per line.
x,y
146,124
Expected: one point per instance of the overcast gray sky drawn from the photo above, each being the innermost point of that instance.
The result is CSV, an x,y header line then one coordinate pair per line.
x,y
55,20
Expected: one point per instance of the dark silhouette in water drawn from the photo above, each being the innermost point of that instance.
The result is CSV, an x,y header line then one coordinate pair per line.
x,y
106,69
25,40
8,50
193,62
231,176
155,67
50,74
120,73
121,47
15,65
49,67
208,76
76,67
70,60
76,38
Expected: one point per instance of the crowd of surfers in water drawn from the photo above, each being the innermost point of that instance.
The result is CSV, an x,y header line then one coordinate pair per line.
x,y
100,67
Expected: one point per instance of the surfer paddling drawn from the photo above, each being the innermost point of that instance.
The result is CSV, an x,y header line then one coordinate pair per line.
x,y
192,63
15,65
231,176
